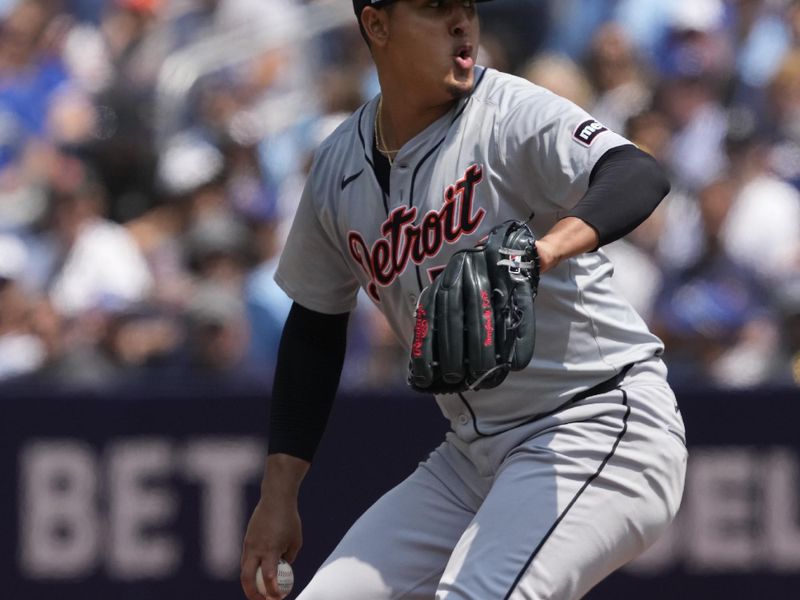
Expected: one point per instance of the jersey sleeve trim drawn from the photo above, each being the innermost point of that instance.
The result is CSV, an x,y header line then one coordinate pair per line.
x,y
535,135
316,304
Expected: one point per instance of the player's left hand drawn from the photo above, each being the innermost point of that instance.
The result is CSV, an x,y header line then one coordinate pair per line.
x,y
475,323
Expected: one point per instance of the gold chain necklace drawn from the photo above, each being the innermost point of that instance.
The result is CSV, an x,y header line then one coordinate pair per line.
x,y
380,143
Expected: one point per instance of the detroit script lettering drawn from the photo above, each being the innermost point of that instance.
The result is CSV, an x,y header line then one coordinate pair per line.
x,y
404,239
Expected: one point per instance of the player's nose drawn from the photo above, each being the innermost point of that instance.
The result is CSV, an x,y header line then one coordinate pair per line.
x,y
461,19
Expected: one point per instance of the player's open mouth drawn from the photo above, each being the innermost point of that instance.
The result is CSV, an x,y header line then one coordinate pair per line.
x,y
463,58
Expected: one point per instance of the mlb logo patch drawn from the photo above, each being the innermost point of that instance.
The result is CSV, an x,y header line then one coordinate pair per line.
x,y
586,132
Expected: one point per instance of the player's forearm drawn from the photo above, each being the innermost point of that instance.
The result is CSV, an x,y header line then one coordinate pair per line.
x,y
569,237
283,475
310,360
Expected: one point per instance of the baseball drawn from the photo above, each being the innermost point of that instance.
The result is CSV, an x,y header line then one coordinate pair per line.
x,y
285,579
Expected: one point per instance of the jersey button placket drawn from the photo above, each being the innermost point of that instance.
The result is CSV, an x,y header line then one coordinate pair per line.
x,y
400,178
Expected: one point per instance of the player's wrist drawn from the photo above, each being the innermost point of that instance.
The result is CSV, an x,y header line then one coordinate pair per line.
x,y
283,475
549,256
569,237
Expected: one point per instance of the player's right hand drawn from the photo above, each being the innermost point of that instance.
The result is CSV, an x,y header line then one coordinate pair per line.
x,y
274,530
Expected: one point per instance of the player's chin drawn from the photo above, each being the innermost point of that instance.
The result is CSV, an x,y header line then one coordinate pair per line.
x,y
460,84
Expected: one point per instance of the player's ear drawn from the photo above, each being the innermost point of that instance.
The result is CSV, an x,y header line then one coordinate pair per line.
x,y
375,24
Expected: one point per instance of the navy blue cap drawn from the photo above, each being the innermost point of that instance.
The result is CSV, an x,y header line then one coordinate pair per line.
x,y
359,5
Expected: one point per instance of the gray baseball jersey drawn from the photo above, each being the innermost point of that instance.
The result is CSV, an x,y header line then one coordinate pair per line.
x,y
510,150
521,501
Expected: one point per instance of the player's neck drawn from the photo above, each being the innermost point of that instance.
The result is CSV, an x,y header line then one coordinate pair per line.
x,y
402,118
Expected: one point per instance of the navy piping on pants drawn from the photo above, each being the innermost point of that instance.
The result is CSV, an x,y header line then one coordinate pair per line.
x,y
577,495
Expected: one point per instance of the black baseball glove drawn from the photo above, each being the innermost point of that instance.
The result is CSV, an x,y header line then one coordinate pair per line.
x,y
475,322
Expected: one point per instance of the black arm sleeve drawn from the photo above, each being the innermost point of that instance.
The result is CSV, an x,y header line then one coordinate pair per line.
x,y
310,359
625,187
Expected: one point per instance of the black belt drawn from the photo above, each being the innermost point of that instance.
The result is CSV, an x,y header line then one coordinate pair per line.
x,y
604,386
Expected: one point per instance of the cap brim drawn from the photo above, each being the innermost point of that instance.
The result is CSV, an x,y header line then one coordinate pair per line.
x,y
384,3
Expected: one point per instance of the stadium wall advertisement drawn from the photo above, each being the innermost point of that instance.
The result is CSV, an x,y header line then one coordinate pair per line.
x,y
145,493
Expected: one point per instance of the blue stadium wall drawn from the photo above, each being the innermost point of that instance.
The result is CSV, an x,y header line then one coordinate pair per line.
x,y
143,493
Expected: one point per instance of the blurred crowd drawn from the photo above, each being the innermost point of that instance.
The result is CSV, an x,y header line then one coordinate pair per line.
x,y
152,153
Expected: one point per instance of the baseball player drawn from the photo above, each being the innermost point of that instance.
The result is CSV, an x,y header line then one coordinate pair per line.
x,y
573,465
